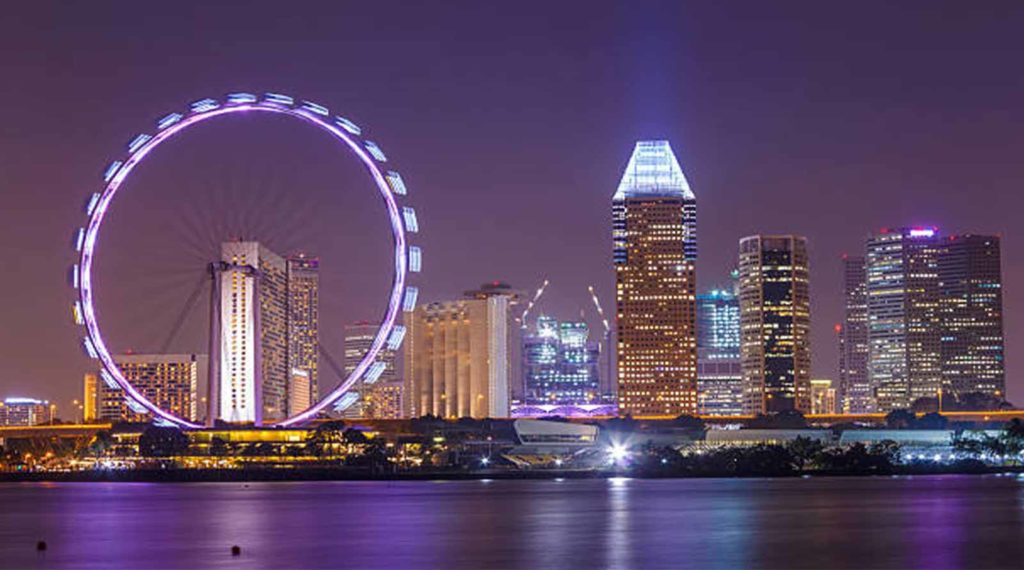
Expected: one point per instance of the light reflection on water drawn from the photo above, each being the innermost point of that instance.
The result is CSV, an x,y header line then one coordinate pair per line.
x,y
907,522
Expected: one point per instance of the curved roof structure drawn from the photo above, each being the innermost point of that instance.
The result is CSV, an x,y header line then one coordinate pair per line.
x,y
653,171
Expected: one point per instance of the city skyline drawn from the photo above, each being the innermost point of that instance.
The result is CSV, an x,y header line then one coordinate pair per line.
x,y
914,179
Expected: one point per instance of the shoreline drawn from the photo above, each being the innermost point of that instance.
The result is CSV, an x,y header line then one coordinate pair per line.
x,y
284,476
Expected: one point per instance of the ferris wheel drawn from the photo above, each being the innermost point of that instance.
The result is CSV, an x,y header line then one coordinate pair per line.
x,y
389,184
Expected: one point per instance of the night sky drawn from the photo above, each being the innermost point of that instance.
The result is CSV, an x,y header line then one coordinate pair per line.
x,y
511,124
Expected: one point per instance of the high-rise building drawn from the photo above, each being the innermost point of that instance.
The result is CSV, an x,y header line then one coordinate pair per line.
x,y
358,340
654,235
823,396
719,374
251,359
856,393
560,363
170,381
775,323
970,285
90,397
303,328
902,275
459,355
26,412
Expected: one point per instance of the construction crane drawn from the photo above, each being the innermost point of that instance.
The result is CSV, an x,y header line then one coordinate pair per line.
x,y
607,348
600,311
536,296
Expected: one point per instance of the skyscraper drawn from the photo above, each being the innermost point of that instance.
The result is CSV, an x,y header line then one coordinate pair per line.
x,y
458,355
303,327
560,363
970,285
358,339
654,235
253,353
719,374
775,319
856,394
170,381
902,272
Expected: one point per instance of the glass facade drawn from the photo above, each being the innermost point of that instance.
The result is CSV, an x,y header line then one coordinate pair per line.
x,y
902,276
972,346
856,393
719,375
560,363
775,319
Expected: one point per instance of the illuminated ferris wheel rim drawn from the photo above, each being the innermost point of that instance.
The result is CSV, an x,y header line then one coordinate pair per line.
x,y
389,184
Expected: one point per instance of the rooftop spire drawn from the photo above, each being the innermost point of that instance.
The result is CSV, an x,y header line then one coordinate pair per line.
x,y
653,171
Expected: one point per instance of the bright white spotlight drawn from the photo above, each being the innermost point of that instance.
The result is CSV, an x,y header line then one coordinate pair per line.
x,y
617,452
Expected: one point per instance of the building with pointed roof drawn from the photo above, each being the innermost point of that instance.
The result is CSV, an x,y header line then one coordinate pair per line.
x,y
654,234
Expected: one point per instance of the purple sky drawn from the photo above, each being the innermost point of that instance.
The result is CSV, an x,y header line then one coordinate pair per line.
x,y
511,126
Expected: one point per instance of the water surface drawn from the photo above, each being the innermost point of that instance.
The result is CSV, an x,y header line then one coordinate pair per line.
x,y
905,522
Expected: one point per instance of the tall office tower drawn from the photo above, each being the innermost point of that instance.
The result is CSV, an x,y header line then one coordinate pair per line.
x,y
303,327
775,323
654,235
90,397
823,396
719,374
170,381
856,394
560,364
970,285
23,412
252,356
358,339
459,355
904,350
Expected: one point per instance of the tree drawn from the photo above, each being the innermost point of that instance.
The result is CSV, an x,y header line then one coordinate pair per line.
x,y
900,419
327,438
858,458
688,421
805,450
764,460
355,436
925,404
101,442
787,419
162,441
219,447
1015,429
932,420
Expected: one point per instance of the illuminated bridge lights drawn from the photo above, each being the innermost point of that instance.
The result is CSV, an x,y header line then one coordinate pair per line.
x,y
389,185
